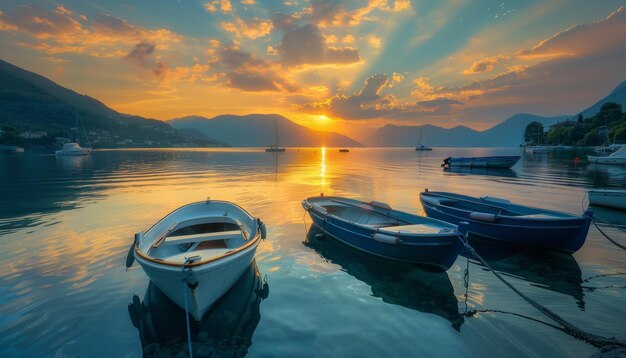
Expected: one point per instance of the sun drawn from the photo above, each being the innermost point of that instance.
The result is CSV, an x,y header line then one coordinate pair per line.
x,y
323,118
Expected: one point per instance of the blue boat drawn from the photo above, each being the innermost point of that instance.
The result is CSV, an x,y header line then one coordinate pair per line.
x,y
497,162
499,219
379,230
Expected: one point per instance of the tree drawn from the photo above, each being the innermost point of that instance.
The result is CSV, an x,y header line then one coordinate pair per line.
x,y
580,118
534,133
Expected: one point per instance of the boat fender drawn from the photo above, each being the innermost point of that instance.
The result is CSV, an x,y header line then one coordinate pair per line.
x,y
130,257
263,229
485,217
387,239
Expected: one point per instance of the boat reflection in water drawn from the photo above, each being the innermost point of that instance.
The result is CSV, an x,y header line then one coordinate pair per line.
x,y
394,282
226,330
547,269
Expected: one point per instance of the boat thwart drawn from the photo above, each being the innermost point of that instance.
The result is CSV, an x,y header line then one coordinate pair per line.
x,y
610,198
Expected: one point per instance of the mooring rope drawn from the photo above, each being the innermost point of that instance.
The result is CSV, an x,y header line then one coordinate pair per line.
x,y
187,318
595,340
609,238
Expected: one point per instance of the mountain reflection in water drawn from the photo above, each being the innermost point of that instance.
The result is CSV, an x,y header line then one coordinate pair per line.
x,y
394,282
226,329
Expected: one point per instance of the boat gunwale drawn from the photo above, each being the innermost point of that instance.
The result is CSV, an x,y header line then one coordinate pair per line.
x,y
567,217
254,239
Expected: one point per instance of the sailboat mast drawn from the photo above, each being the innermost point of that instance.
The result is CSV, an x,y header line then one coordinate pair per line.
x,y
276,133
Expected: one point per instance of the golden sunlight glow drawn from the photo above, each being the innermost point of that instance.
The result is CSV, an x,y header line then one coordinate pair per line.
x,y
323,171
323,118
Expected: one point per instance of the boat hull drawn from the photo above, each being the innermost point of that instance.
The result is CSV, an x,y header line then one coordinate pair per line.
x,y
566,234
483,162
615,199
606,160
73,153
205,284
438,251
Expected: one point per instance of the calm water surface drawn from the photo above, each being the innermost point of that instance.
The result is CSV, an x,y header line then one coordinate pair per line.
x,y
66,225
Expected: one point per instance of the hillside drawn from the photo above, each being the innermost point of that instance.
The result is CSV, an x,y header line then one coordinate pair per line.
x,y
32,103
257,130
509,133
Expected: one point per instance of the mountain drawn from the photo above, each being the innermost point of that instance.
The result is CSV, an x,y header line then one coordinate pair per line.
x,y
406,136
32,103
618,95
257,130
509,133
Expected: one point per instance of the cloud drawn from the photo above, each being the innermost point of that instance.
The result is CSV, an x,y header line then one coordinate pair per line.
x,y
140,53
62,30
485,65
306,46
247,2
329,13
370,103
222,5
244,71
581,39
250,28
396,78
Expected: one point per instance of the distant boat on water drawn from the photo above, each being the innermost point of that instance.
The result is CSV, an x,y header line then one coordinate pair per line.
x,y
275,147
610,198
538,149
420,147
344,150
74,148
11,149
616,158
497,162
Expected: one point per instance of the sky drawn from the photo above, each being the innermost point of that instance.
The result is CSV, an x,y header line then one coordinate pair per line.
x,y
344,66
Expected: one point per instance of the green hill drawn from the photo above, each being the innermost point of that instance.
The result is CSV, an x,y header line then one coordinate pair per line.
x,y
32,103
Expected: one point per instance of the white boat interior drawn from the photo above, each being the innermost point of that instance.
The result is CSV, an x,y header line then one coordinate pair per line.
x,y
203,230
366,214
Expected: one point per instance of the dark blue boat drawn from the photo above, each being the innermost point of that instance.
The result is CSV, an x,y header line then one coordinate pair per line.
x,y
497,162
499,219
377,229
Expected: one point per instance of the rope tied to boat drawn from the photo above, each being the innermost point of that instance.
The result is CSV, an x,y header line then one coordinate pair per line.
x,y
595,340
608,237
188,260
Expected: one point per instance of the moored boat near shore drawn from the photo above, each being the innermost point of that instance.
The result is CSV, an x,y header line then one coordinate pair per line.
x,y
499,219
610,198
616,158
206,244
495,162
379,230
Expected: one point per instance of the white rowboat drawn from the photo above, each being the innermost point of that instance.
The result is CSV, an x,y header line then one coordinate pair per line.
x,y
197,252
610,198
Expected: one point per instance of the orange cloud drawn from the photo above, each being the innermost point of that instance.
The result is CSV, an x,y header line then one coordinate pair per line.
x,y
251,28
223,5
485,65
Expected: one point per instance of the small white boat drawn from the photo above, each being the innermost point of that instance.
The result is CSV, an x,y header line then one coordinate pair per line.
x,y
617,158
610,198
537,149
197,252
72,149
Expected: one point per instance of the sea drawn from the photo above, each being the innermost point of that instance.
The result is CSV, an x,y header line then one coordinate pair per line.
x,y
66,224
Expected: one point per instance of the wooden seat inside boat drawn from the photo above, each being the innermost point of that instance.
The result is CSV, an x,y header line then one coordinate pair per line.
x,y
203,237
414,229
204,255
